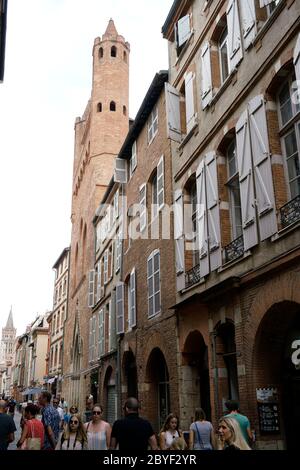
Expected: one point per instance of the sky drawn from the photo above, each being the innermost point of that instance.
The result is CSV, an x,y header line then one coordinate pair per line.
x,y
47,84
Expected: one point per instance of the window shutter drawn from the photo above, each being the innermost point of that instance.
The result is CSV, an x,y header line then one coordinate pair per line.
x,y
207,90
160,183
90,338
262,168
113,337
173,113
91,288
101,333
248,20
116,205
105,266
178,231
189,101
202,220
213,212
133,160
98,294
143,207
120,307
297,60
263,3
243,153
156,281
120,174
94,345
234,34
132,302
183,29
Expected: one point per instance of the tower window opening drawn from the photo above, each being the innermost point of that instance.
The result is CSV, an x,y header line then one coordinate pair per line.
x,y
112,106
124,110
101,53
99,108
113,51
125,57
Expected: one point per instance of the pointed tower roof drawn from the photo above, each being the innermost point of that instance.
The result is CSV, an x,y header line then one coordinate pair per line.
x,y
10,322
111,29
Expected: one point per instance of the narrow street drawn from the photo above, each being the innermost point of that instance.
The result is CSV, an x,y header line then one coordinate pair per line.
x,y
17,419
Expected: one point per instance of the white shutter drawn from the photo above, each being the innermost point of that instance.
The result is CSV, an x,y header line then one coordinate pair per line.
x,y
213,212
133,160
91,288
156,281
234,34
183,29
262,168
243,153
297,60
118,242
98,294
206,95
90,338
160,183
202,220
112,310
120,174
94,338
105,266
120,307
116,205
263,3
248,21
173,113
132,300
101,333
143,207
178,231
189,101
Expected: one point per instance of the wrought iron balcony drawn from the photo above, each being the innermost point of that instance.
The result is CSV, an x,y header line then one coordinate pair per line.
x,y
290,212
234,250
192,276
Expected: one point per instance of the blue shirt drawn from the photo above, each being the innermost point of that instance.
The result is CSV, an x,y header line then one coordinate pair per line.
x,y
50,418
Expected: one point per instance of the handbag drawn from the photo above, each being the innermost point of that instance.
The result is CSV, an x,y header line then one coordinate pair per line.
x,y
32,443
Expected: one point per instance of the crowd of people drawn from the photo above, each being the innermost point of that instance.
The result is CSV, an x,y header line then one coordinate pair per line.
x,y
51,425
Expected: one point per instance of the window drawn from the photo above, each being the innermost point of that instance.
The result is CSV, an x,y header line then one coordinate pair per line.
x,y
270,5
118,251
113,51
124,110
182,32
105,266
143,207
223,55
125,57
154,195
152,125
101,333
153,277
99,108
101,53
234,191
112,106
193,205
289,119
133,160
132,299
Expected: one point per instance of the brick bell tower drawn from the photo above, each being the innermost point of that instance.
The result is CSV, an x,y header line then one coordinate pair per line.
x,y
99,134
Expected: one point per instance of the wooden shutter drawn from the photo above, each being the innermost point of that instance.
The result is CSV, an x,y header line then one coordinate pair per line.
x,y
91,288
173,113
143,207
132,303
243,153
206,95
116,205
105,275
98,294
120,173
213,212
202,220
234,34
120,307
183,29
90,338
297,61
178,231
101,333
94,345
112,310
248,21
262,168
189,101
160,183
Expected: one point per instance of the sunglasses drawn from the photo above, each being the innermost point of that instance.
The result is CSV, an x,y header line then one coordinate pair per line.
x,y
97,412
74,422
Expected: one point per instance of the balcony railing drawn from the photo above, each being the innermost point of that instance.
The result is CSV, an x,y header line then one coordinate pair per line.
x,y
290,212
234,250
192,276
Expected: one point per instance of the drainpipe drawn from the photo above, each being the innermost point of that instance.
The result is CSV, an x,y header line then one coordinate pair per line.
x,y
216,376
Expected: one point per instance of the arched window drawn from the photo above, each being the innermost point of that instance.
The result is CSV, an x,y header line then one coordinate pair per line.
x,y
124,110
113,51
112,106
101,53
99,108
125,57
223,54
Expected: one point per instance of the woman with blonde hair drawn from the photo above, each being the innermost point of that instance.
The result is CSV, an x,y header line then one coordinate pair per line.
x,y
230,435
74,435
169,432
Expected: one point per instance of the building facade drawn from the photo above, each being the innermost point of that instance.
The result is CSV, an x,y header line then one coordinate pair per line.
x,y
234,68
98,138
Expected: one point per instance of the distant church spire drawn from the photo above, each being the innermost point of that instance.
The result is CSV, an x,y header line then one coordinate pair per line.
x,y
111,29
10,321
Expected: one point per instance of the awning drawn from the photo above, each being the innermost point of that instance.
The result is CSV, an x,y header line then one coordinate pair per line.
x,y
32,391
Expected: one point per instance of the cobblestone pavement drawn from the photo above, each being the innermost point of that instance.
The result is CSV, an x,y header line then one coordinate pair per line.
x,y
17,418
